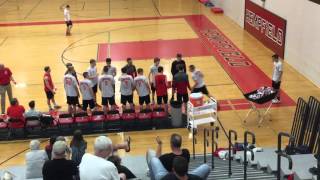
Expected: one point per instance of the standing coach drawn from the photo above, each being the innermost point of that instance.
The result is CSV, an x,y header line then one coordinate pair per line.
x,y
5,85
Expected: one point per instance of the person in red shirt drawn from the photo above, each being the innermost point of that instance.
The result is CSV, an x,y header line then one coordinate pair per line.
x,y
161,85
180,85
5,86
49,88
15,114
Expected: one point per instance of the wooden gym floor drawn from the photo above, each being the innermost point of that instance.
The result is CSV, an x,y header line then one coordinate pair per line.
x,y
26,46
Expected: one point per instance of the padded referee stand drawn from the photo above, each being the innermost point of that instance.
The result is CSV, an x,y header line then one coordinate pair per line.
x,y
160,118
66,123
144,119
129,119
82,120
97,120
113,120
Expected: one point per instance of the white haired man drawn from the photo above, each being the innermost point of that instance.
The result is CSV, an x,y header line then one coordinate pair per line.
x,y
97,166
35,160
59,167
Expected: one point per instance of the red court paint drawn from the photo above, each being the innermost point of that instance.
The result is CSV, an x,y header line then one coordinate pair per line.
x,y
241,69
149,49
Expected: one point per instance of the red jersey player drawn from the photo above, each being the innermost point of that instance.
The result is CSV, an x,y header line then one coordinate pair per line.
x,y
161,86
49,88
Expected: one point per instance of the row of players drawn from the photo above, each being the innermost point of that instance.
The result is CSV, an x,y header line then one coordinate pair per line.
x,y
130,80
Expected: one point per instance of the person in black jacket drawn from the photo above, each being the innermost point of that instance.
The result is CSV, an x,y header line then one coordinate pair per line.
x,y
175,64
59,167
180,171
130,68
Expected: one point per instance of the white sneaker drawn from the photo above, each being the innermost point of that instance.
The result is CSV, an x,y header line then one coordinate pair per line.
x,y
275,101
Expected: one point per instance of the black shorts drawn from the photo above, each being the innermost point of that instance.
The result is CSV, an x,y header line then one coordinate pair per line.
x,y
68,23
164,98
153,88
203,90
182,98
276,85
88,103
144,99
108,100
49,94
95,88
125,99
72,100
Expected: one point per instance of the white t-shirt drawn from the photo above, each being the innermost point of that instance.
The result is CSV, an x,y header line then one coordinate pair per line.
x,y
112,71
34,163
97,168
94,74
154,71
197,76
126,85
85,87
141,84
106,83
277,69
66,13
70,85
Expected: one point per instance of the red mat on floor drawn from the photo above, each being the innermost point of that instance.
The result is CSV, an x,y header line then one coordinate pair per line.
x,y
241,69
149,49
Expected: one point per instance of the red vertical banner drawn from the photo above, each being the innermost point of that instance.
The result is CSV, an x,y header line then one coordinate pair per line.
x,y
266,26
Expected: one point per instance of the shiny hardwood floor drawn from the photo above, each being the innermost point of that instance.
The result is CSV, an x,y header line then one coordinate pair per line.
x,y
27,49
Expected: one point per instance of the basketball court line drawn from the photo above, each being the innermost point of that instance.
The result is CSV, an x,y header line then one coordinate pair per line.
x,y
156,8
32,9
4,40
4,2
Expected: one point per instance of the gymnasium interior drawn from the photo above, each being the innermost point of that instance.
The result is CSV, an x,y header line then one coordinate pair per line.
x,y
238,131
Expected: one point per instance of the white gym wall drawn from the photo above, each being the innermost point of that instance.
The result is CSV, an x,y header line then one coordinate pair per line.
x,y
303,31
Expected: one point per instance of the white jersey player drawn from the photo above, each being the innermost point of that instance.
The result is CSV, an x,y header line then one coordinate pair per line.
x,y
88,97
72,91
126,88
199,85
67,19
106,85
152,74
142,86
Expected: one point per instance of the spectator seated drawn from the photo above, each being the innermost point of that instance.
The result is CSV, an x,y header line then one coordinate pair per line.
x,y
161,164
95,166
35,160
